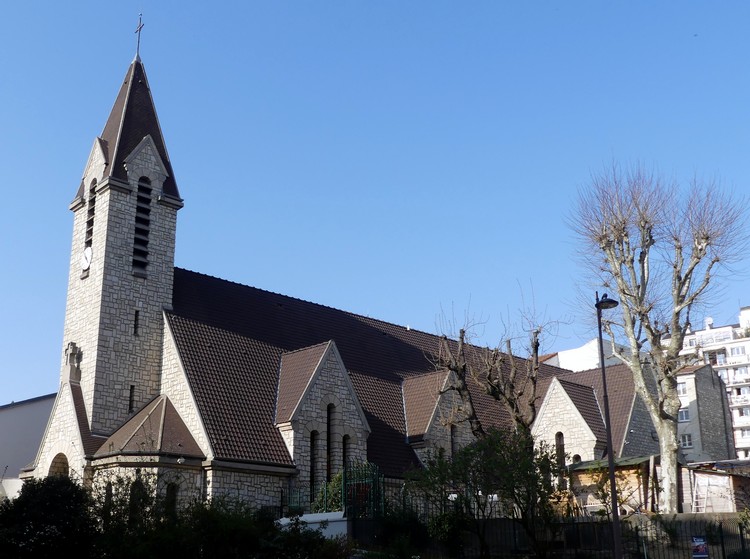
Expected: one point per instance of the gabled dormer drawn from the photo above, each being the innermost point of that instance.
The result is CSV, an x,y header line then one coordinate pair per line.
x,y
318,413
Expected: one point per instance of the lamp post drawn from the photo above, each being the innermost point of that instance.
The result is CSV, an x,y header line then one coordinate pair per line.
x,y
607,303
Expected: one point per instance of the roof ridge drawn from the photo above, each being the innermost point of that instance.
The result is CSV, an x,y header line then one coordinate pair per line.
x,y
306,348
293,298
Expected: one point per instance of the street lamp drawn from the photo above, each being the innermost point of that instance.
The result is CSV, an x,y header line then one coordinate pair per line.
x,y
607,303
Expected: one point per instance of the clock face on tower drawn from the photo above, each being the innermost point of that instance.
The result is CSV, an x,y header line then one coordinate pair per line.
x,y
86,258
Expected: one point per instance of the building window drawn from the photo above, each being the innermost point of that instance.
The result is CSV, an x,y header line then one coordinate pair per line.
x,y
142,225
737,350
170,501
743,412
89,238
691,342
329,440
313,456
560,455
345,444
745,433
683,415
135,323
131,399
682,388
686,440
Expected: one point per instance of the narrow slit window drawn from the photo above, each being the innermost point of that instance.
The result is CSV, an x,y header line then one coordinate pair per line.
x,y
135,323
131,399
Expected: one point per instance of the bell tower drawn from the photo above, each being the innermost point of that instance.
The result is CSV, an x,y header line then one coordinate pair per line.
x,y
122,261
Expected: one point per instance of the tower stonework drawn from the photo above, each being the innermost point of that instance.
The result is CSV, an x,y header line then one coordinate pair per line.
x,y
122,262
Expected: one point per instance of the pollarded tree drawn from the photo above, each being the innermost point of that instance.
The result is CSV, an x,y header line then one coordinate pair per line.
x,y
659,249
507,378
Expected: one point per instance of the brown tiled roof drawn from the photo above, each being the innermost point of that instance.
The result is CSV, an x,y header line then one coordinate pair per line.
x,y
297,368
232,337
584,399
90,442
156,429
132,118
421,394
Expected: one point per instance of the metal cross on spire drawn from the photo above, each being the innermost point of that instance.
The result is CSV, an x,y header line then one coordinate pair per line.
x,y
138,32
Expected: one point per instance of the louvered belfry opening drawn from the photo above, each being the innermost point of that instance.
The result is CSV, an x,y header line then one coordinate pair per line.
x,y
91,210
142,226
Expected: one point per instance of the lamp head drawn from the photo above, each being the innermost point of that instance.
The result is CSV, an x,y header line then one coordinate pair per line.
x,y
606,303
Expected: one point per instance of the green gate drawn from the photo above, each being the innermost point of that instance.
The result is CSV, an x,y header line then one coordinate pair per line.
x,y
363,490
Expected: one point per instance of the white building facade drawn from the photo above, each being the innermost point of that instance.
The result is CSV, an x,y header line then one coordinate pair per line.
x,y
727,350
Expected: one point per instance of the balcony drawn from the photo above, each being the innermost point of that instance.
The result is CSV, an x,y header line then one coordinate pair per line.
x,y
740,399
738,359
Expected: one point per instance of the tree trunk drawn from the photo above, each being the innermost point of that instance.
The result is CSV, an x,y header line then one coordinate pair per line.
x,y
669,497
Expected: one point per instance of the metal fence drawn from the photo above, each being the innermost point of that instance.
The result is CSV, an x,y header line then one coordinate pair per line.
x,y
683,536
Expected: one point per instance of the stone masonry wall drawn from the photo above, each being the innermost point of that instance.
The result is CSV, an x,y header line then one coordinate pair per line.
x,y
102,303
62,438
558,414
448,428
330,386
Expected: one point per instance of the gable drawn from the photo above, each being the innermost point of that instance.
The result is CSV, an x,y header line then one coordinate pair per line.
x,y
421,397
296,374
569,409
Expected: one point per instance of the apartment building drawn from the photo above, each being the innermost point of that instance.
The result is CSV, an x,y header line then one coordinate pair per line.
x,y
727,350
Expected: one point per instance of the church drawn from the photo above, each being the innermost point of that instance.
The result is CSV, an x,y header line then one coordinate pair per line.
x,y
232,390
219,389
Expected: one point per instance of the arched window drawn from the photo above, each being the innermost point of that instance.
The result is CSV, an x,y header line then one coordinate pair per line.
x,y
329,440
313,458
560,457
142,225
345,450
59,466
453,439
560,448
170,501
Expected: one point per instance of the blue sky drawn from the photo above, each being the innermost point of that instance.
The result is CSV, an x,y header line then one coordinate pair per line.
x,y
410,161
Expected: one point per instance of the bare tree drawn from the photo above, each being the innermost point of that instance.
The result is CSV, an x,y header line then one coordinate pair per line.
x,y
508,379
660,249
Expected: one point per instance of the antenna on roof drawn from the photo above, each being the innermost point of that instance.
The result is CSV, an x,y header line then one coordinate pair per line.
x,y
138,32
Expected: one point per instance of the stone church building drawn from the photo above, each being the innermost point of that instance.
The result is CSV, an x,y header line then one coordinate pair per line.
x,y
229,389
219,389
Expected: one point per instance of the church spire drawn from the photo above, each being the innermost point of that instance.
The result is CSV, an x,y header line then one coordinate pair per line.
x,y
132,119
